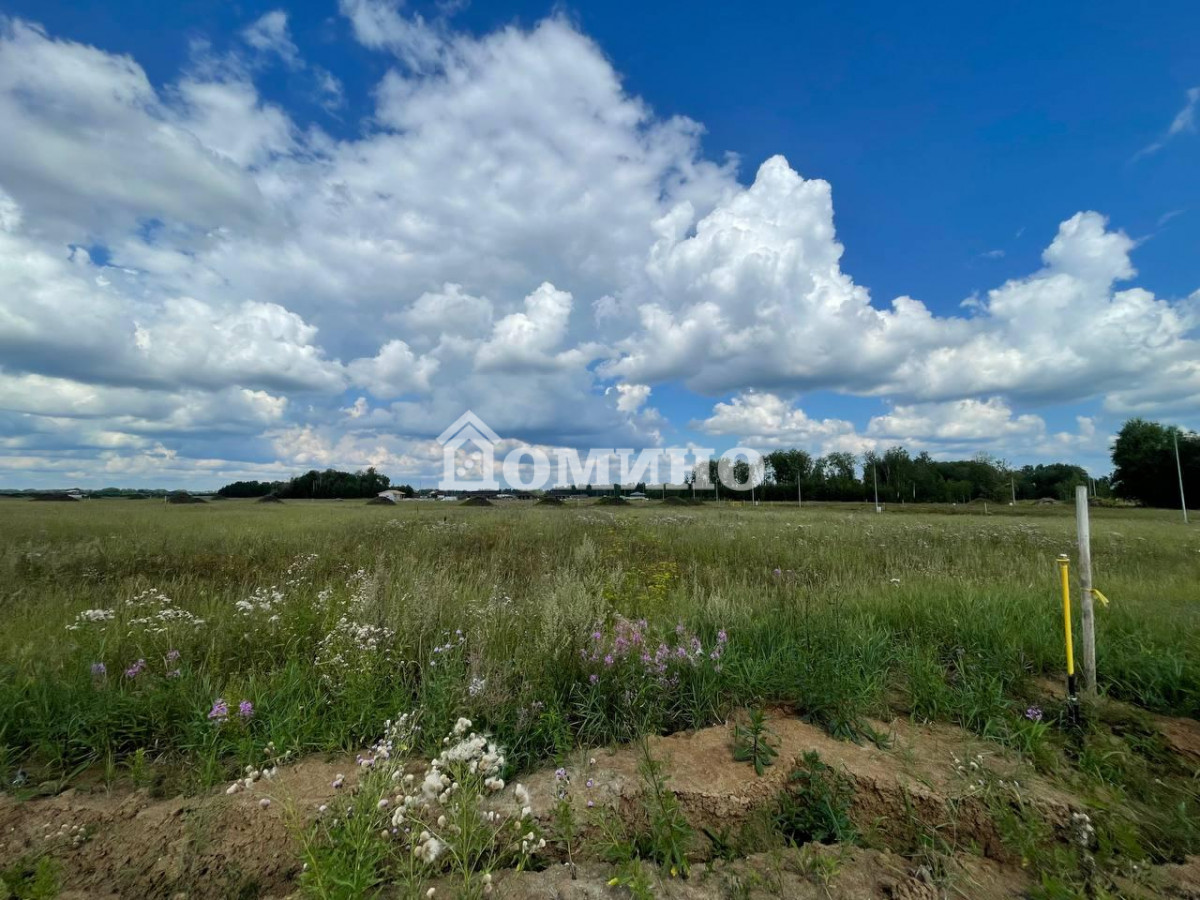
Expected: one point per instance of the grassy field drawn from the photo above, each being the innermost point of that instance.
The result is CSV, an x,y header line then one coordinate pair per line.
x,y
167,646
553,626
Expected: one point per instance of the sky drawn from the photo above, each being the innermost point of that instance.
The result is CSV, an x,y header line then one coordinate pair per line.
x,y
242,240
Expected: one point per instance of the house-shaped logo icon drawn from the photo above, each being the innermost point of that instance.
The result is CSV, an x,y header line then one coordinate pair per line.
x,y
464,468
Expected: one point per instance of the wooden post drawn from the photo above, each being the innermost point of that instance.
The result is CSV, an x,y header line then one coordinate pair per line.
x,y
1088,618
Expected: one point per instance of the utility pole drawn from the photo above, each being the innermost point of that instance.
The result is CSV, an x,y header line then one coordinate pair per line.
x,y
1088,617
1179,472
875,476
1012,483
799,493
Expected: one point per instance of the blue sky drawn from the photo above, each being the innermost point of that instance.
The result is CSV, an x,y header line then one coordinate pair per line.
x,y
256,211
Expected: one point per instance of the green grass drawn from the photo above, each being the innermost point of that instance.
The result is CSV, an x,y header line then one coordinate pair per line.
x,y
943,614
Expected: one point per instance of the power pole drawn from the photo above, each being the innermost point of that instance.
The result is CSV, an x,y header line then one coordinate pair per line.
x,y
875,476
799,493
1088,617
1012,483
1179,472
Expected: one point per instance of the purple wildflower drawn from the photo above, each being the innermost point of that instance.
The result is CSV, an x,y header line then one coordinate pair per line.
x,y
246,709
172,656
174,673
1034,714
608,660
99,670
593,678
219,711
136,669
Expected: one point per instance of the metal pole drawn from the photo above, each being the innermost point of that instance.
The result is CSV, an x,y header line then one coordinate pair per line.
x,y
799,493
1179,472
875,476
1072,697
1087,618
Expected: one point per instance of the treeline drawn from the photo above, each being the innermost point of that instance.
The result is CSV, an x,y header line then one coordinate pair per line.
x,y
330,484
902,477
1145,467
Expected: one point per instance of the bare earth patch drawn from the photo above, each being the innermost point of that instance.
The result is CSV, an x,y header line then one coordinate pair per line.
x,y
217,845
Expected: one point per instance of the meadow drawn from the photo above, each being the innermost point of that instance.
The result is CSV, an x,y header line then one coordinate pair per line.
x,y
195,635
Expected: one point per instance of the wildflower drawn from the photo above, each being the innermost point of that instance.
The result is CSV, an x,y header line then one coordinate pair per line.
x,y
590,783
99,670
91,617
246,709
338,781
136,669
264,802
219,711
1034,714
172,655
591,803
593,678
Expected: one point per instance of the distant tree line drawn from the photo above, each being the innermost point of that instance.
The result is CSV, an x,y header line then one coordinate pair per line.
x,y
314,485
1144,464
902,477
1143,457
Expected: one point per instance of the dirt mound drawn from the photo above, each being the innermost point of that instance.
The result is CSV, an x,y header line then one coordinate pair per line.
x,y
212,846
185,498
269,498
549,501
612,501
380,501
813,872
898,791
917,781
476,501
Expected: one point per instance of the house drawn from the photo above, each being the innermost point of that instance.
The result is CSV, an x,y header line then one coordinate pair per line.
x,y
392,496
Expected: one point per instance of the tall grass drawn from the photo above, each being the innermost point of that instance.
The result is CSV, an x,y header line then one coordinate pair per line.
x,y
835,611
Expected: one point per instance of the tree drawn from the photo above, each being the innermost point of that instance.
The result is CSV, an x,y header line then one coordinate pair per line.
x,y
788,466
1143,458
